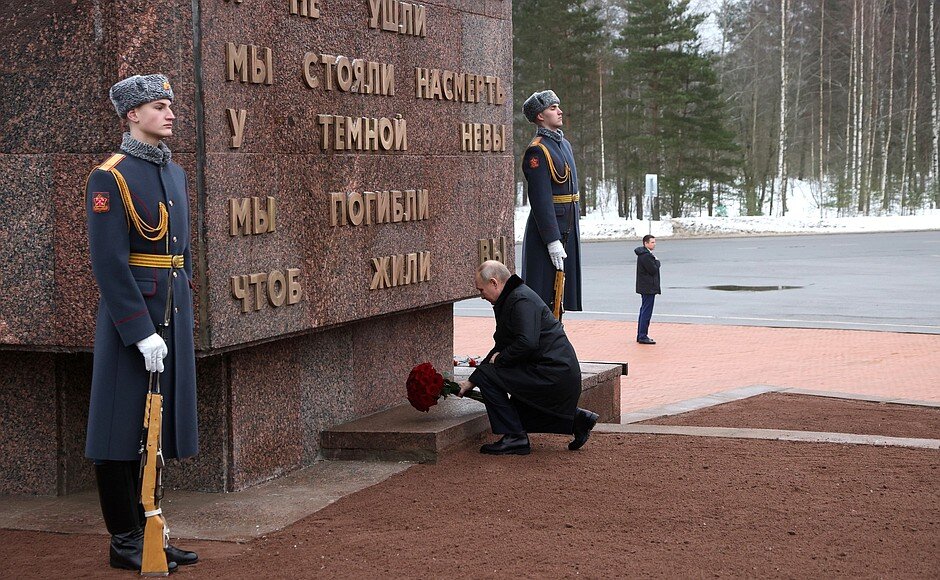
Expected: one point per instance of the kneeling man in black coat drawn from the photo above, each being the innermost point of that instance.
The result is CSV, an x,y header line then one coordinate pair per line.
x,y
530,380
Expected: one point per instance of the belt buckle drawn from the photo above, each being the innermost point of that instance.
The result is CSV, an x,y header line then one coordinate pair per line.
x,y
177,261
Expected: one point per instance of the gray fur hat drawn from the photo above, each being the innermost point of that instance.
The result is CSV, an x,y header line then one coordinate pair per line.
x,y
538,102
137,90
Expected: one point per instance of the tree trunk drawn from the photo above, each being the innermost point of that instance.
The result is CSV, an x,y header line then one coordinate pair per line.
x,y
873,105
782,143
798,137
916,102
850,118
934,113
859,110
886,146
822,101
753,207
600,119
909,133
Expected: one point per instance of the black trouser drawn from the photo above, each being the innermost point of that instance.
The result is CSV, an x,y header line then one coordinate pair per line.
x,y
119,495
511,416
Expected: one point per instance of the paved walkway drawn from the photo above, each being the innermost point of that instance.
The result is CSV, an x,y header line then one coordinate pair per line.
x,y
691,361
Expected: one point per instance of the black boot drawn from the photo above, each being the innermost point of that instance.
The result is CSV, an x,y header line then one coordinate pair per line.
x,y
117,492
513,444
584,421
127,549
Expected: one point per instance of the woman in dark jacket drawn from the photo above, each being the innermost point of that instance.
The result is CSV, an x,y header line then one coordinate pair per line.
x,y
647,286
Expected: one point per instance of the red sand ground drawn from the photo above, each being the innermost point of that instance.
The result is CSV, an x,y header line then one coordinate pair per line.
x,y
624,506
810,413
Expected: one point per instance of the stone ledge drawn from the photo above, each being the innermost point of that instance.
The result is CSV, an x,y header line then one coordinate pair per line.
x,y
404,434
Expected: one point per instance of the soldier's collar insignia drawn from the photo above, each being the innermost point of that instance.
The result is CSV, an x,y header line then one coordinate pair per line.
x,y
101,202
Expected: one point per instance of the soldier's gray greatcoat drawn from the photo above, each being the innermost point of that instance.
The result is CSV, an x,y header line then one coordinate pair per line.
x,y
132,303
548,221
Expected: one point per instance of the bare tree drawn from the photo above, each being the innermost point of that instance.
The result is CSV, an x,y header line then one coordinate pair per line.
x,y
857,158
909,132
934,113
822,101
782,137
886,143
873,104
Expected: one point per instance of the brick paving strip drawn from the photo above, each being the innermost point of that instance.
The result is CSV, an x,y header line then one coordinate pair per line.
x,y
693,366
691,360
772,434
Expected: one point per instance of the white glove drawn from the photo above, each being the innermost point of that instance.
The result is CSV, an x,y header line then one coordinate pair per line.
x,y
154,350
557,253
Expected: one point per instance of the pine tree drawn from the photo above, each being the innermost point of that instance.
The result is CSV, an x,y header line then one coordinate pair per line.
x,y
674,123
707,154
556,44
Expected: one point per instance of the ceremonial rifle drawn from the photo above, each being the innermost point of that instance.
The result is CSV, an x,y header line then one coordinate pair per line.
x,y
557,307
558,296
156,532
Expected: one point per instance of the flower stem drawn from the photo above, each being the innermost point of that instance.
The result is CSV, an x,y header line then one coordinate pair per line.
x,y
452,388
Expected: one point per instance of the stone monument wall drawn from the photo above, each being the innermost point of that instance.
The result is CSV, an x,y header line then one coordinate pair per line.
x,y
349,163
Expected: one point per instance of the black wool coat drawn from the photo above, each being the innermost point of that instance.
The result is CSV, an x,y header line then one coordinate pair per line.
x,y
647,272
537,364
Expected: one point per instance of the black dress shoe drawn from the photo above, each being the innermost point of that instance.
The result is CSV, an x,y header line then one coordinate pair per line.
x,y
181,557
508,445
646,340
584,421
127,551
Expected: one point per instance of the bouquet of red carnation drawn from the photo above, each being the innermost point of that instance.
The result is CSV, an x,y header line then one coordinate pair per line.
x,y
425,386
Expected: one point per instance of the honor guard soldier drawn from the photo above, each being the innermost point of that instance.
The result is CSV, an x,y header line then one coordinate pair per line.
x,y
138,233
552,240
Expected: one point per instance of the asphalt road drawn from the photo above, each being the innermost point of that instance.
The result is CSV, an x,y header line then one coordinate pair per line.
x,y
874,281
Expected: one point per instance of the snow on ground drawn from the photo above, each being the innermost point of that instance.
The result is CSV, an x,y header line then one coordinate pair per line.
x,y
803,216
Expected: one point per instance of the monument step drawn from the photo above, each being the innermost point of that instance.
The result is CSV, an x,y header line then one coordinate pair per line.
x,y
405,434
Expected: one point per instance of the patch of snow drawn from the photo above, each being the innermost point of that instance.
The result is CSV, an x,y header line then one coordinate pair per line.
x,y
804,215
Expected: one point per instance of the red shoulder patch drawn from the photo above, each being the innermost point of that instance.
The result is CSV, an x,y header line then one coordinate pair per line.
x,y
534,162
101,202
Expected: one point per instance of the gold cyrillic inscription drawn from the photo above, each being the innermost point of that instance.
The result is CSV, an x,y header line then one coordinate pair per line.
x,y
446,85
363,133
400,270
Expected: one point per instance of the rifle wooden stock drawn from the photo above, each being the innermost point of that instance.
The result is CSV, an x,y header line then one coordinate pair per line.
x,y
153,562
557,308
